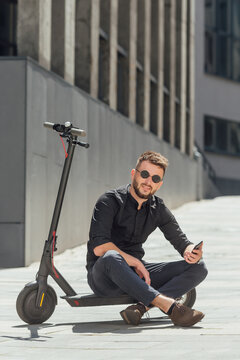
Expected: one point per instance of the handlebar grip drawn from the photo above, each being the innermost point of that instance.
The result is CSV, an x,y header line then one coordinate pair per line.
x,y
48,125
78,132
74,131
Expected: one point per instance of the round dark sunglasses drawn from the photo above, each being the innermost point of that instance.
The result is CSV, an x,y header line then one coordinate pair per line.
x,y
145,174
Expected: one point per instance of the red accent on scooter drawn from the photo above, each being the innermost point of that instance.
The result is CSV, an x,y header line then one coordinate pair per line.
x,y
66,154
53,245
76,302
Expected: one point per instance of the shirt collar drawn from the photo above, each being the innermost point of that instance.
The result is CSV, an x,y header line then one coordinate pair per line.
x,y
134,201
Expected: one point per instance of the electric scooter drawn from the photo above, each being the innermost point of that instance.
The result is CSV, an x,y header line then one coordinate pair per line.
x,y
37,300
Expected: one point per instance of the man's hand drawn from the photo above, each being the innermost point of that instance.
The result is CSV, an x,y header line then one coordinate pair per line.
x,y
192,257
142,272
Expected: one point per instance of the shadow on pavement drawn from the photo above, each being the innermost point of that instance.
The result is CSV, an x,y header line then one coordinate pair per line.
x,y
100,327
33,336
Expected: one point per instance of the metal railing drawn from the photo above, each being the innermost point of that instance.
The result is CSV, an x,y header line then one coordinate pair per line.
x,y
206,164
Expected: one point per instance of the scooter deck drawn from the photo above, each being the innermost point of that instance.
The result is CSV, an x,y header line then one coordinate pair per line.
x,y
94,300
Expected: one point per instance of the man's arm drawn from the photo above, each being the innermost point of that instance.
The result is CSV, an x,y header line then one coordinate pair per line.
x,y
130,260
172,232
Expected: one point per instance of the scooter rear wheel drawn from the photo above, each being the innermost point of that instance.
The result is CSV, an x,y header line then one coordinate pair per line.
x,y
26,305
188,299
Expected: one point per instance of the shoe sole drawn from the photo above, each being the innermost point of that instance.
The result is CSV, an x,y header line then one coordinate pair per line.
x,y
129,317
198,319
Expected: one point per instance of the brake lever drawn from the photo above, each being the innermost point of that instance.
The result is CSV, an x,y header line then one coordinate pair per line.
x,y
83,144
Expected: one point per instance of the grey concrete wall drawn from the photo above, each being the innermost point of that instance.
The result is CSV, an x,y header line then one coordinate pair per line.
x,y
31,95
12,162
214,96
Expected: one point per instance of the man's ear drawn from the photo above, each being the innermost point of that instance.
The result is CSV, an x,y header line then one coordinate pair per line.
x,y
132,173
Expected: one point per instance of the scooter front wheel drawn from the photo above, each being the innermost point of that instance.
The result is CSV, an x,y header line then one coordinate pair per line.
x,y
26,304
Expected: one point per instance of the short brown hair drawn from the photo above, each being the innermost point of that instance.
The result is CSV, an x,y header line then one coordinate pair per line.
x,y
154,158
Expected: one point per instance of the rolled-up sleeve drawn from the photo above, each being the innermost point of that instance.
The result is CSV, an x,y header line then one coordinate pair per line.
x,y
172,231
102,221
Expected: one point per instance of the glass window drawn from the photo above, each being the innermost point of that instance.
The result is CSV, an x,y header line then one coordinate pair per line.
x,y
177,126
209,133
103,70
221,132
122,84
209,13
221,136
223,15
166,118
210,62
236,60
222,38
236,18
223,56
8,25
139,97
234,138
154,108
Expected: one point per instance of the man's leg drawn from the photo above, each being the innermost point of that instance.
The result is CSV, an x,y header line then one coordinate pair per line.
x,y
174,279
112,276
112,272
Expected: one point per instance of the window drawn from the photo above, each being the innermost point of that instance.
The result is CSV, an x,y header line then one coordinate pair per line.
x,y
122,84
123,57
154,108
139,97
221,136
8,26
103,66
222,38
103,63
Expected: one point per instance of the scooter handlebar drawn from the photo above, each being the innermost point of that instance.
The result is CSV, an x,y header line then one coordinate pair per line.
x,y
74,131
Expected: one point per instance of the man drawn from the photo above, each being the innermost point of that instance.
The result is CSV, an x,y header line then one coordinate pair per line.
x,y
122,221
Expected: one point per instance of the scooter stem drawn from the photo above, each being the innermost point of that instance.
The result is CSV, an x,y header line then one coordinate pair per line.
x,y
46,267
62,186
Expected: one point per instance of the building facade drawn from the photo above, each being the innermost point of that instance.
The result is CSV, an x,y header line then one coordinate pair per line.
x,y
137,56
121,69
217,89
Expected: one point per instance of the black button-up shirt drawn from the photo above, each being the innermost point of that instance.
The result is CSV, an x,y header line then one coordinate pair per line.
x,y
116,219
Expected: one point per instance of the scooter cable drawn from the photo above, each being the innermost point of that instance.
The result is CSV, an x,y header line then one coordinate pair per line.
x,y
66,154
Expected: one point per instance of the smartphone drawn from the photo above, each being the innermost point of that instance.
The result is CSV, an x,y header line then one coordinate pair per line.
x,y
196,247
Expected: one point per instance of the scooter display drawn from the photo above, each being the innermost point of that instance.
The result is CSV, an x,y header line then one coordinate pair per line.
x,y
37,300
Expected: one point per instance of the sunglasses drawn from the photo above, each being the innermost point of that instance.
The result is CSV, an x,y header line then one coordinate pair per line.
x,y
145,174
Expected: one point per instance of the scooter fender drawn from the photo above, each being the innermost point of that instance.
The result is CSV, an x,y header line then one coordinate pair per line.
x,y
33,284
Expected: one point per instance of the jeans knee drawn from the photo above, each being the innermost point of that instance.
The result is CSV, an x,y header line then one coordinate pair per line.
x,y
202,270
112,257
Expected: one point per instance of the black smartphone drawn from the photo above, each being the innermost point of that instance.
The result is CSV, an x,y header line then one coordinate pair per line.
x,y
196,247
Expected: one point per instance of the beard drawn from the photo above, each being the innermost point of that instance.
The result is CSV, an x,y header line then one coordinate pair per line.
x,y
138,192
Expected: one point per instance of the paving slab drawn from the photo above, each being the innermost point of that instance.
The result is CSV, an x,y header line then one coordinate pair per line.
x,y
99,332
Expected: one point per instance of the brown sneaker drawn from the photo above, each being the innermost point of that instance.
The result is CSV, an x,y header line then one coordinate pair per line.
x,y
133,314
184,316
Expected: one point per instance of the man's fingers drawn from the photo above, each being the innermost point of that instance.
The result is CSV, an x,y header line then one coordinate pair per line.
x,y
139,273
148,281
147,277
193,257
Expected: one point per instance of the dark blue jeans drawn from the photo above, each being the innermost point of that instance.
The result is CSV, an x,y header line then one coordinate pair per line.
x,y
112,276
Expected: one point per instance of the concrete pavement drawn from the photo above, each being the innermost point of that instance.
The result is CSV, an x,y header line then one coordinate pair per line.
x,y
99,332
